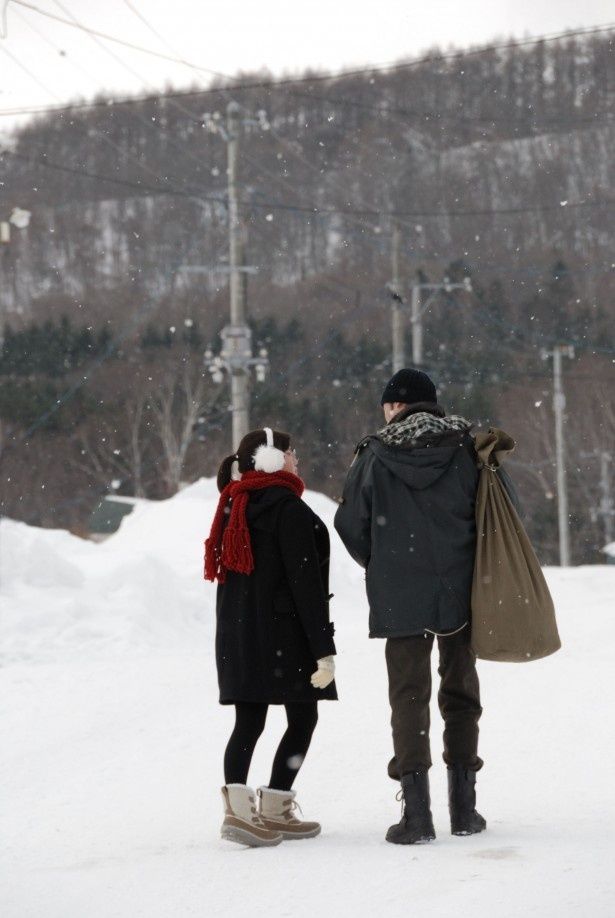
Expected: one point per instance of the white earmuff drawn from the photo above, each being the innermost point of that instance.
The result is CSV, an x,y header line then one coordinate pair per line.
x,y
267,458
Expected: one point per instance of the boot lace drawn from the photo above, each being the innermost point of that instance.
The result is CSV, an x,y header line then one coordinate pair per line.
x,y
290,808
255,817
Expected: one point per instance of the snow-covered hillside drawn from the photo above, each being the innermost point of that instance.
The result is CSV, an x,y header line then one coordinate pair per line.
x,y
112,745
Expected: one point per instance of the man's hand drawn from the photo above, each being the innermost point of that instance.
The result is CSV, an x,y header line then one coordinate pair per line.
x,y
325,673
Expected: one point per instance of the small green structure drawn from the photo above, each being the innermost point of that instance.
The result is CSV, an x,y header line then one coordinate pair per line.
x,y
108,515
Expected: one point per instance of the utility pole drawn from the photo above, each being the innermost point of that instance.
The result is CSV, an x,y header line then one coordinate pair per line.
x,y
606,507
559,406
237,337
417,326
236,353
419,309
395,288
607,510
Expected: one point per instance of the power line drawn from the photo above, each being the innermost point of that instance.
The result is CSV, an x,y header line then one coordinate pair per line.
x,y
281,83
151,28
114,38
476,266
260,168
360,212
316,209
428,114
382,67
536,268
312,209
27,70
100,44
141,165
139,117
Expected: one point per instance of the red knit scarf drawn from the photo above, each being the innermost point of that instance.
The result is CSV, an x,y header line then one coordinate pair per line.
x,y
232,550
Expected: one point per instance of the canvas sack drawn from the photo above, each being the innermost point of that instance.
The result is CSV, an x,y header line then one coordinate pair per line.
x,y
513,617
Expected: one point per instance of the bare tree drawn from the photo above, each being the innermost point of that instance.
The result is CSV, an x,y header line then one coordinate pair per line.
x,y
114,454
137,442
6,429
176,408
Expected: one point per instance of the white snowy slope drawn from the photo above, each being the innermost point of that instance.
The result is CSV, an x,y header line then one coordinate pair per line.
x,y
112,741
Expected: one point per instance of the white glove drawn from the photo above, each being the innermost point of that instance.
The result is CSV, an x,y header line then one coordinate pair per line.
x,y
325,674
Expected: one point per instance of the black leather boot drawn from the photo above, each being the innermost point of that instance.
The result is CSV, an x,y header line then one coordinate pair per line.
x,y
462,801
416,824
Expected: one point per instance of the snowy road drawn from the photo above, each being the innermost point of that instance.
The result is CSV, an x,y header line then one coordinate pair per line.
x,y
112,748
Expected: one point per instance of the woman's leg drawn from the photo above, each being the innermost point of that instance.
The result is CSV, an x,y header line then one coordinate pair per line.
x,y
249,724
302,719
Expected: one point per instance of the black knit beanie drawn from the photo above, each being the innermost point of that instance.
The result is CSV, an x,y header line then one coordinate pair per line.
x,y
409,386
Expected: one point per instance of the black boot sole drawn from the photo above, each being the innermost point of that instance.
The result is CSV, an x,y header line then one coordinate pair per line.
x,y
423,840
419,837
461,830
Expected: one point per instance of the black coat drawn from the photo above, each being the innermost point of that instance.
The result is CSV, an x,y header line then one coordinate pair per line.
x,y
273,625
407,516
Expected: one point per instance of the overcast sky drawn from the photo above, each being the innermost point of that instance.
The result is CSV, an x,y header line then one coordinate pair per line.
x,y
241,35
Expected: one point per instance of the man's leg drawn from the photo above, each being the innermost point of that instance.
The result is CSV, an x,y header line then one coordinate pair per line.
x,y
409,669
459,700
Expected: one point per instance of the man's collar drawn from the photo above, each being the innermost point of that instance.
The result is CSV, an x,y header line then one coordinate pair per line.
x,y
429,407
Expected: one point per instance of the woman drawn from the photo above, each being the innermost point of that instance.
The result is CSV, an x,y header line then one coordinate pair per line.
x,y
274,642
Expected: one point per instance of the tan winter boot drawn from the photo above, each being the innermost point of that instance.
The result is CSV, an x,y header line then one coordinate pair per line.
x,y
277,811
242,824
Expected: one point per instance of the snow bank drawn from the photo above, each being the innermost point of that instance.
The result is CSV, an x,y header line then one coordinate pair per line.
x,y
141,588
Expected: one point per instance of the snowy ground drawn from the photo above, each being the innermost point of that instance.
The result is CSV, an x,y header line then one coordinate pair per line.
x,y
112,744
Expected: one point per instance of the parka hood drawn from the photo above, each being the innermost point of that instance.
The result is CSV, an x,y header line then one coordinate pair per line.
x,y
419,467
261,503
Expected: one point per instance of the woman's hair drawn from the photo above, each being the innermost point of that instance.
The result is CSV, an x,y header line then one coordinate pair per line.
x,y
244,457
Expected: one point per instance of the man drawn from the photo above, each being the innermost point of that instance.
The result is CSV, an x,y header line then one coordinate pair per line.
x,y
407,517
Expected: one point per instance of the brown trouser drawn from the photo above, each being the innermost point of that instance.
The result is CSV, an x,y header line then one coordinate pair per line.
x,y
409,667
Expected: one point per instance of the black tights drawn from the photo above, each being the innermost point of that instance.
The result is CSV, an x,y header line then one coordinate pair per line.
x,y
249,724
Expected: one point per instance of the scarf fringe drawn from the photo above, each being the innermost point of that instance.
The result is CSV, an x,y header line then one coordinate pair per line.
x,y
236,545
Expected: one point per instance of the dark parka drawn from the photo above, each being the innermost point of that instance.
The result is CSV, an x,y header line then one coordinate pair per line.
x,y
407,517
273,625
